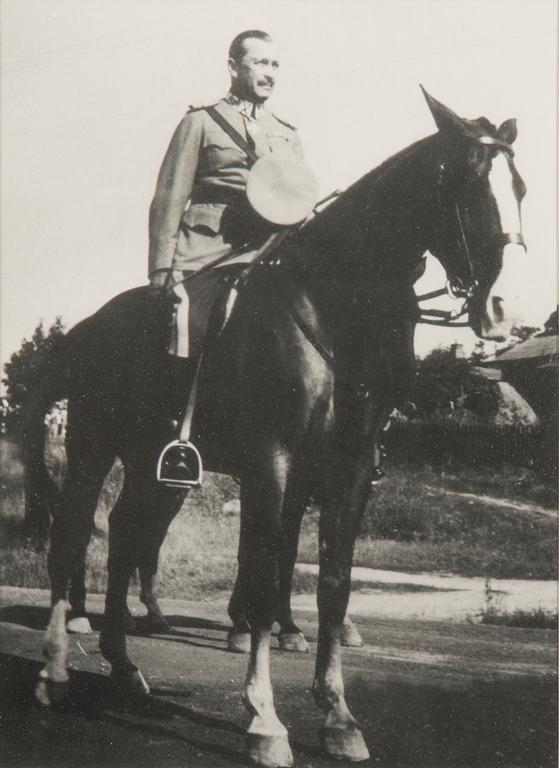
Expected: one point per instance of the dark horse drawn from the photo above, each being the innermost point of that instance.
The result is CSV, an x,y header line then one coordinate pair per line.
x,y
293,395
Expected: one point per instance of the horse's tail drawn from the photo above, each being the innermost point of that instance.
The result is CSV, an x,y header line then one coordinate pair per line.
x,y
42,495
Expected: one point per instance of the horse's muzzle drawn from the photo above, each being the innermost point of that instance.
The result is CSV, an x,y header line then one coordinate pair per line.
x,y
504,307
513,238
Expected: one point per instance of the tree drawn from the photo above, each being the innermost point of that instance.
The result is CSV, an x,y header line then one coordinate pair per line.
x,y
551,325
524,332
446,381
24,366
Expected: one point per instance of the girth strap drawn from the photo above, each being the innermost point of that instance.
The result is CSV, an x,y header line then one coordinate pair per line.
x,y
308,333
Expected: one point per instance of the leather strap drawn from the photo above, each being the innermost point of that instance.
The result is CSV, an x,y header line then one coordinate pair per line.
x,y
186,425
233,133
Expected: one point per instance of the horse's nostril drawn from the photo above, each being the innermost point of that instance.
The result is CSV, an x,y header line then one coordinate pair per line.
x,y
497,304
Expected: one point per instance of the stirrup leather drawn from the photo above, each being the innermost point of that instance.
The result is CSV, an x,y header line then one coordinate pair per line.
x,y
180,465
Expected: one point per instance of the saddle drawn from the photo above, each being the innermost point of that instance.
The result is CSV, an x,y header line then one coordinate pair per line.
x,y
199,318
205,306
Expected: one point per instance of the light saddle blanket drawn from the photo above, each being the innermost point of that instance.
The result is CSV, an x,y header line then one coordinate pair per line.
x,y
200,293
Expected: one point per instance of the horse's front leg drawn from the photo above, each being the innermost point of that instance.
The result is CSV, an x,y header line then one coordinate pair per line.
x,y
149,561
341,735
123,560
261,504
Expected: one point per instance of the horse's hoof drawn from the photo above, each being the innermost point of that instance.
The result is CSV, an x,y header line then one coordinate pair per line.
x,y
79,626
294,642
238,642
129,682
269,751
349,636
344,744
49,692
157,624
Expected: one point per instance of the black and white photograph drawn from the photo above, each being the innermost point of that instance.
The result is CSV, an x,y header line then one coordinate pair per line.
x,y
279,383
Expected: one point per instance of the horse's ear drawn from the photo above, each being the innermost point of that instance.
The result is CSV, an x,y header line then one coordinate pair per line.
x,y
445,118
507,131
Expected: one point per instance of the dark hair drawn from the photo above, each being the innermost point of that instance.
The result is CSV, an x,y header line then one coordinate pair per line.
x,y
237,48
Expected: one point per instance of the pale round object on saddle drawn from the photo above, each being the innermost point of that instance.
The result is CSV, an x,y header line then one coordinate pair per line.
x,y
282,191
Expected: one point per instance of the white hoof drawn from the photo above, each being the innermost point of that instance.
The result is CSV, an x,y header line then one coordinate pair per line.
x,y
79,626
344,744
293,642
269,751
349,636
238,642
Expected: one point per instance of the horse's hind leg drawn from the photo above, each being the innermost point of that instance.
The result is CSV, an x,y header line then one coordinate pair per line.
x,y
156,621
88,463
290,637
78,622
142,515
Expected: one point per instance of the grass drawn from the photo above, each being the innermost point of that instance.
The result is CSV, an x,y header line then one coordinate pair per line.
x,y
492,613
535,619
305,583
407,527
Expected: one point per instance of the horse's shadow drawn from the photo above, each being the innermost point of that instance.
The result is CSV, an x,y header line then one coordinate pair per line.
x,y
37,618
94,698
30,616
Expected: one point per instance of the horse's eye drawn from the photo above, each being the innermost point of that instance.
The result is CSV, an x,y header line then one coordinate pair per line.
x,y
478,159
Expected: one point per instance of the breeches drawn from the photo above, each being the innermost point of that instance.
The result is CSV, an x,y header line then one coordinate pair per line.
x,y
199,297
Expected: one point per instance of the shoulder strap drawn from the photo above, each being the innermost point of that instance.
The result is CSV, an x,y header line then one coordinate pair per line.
x,y
283,122
232,133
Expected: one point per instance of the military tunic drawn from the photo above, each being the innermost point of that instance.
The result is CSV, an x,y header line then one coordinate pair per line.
x,y
202,181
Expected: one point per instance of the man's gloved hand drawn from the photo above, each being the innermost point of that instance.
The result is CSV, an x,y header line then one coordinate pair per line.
x,y
158,279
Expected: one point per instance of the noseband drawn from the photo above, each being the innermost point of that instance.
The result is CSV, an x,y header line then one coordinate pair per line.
x,y
455,286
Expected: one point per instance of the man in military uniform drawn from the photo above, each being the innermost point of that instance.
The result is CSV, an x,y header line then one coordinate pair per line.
x,y
199,210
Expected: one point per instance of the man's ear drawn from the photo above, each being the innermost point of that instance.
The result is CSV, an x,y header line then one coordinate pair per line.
x,y
233,68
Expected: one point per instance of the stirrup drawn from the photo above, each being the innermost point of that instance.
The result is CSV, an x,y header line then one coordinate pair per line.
x,y
180,465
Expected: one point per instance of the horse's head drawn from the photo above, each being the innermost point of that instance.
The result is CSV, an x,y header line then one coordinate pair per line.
x,y
479,236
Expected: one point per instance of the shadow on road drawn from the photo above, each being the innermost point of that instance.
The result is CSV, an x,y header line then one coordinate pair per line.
x,y
413,719
35,617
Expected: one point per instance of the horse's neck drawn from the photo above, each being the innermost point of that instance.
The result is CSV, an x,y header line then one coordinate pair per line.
x,y
383,223
357,260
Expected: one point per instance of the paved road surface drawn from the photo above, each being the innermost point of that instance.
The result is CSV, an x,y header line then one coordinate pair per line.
x,y
428,694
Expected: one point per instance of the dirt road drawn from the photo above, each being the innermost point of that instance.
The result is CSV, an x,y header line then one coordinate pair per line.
x,y
430,694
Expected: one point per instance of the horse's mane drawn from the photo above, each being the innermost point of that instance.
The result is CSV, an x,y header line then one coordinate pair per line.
x,y
370,190
345,212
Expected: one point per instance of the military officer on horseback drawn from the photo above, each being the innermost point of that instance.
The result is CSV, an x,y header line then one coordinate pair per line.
x,y
199,208
232,178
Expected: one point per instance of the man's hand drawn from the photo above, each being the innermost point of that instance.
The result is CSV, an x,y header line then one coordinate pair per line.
x,y
158,279
165,278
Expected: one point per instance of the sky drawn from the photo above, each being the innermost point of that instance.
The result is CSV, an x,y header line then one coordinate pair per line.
x,y
93,89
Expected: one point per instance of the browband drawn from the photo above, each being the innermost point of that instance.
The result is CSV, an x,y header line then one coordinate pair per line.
x,y
491,141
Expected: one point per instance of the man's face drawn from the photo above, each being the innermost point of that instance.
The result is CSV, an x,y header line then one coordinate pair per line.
x,y
254,76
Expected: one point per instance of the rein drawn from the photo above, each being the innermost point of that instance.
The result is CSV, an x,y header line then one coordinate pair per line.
x,y
454,286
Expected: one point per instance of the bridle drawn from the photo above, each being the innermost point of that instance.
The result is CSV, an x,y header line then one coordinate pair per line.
x,y
455,286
